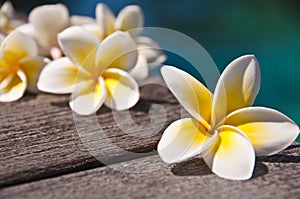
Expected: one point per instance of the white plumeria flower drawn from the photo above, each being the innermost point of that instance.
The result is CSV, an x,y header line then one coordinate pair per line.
x,y
224,130
130,19
7,20
45,22
93,72
20,66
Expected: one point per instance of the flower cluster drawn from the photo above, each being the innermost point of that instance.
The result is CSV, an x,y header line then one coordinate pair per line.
x,y
99,61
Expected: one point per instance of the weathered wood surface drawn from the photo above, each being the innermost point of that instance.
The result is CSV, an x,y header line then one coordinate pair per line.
x,y
46,152
38,137
274,177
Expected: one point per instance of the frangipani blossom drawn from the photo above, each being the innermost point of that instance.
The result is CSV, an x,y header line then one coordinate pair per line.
x,y
45,22
20,66
130,19
224,130
7,18
94,72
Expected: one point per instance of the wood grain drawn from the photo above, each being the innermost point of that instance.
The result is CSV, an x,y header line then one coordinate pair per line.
x,y
39,139
274,177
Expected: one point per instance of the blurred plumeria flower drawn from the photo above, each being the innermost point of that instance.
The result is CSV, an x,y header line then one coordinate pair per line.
x,y
8,22
94,72
20,66
44,23
224,130
130,19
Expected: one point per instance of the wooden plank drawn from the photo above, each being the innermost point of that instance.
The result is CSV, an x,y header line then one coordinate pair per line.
x,y
39,139
274,177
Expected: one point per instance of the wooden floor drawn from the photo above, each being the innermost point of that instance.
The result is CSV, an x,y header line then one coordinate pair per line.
x,y
47,152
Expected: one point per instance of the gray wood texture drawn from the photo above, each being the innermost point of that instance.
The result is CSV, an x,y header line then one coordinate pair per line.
x,y
47,152
39,139
274,177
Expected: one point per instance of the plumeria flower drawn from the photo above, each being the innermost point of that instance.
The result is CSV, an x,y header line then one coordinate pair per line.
x,y
8,22
224,129
20,66
94,72
130,19
45,22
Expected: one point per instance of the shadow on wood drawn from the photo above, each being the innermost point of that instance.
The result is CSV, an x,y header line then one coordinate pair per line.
x,y
193,167
197,167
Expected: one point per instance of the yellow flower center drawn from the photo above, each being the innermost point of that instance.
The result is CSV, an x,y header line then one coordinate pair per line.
x,y
15,68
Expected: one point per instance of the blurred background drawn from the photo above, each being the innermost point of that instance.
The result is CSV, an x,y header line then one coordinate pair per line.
x,y
268,29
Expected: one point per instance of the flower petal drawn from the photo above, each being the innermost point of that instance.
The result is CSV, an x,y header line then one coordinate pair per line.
x,y
16,46
130,18
12,87
269,130
141,70
191,94
60,76
78,20
118,50
88,97
183,139
95,29
77,43
42,44
7,9
32,67
151,50
237,87
105,18
50,20
122,89
232,155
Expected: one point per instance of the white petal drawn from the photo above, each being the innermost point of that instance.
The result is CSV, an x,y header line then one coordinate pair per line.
x,y
130,18
122,89
105,18
77,44
13,87
232,155
88,97
151,50
237,87
191,94
59,76
141,70
32,67
16,46
29,29
7,9
14,23
50,20
269,130
95,29
183,139
118,50
78,20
